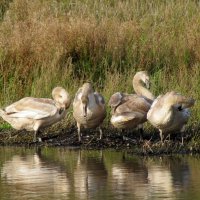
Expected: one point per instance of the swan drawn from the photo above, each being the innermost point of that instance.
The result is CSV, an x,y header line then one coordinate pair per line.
x,y
33,114
170,113
130,110
89,108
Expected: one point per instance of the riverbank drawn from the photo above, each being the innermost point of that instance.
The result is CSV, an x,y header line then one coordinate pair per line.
x,y
112,139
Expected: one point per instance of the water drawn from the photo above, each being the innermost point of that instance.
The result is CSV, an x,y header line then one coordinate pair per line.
x,y
59,173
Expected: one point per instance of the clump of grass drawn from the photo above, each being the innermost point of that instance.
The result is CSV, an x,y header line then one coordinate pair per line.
x,y
5,126
48,43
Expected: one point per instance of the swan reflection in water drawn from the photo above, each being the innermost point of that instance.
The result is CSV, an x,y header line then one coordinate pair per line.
x,y
149,179
167,177
39,176
93,175
90,176
28,174
160,181
129,181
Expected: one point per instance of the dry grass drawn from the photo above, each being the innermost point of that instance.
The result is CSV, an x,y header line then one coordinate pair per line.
x,y
45,43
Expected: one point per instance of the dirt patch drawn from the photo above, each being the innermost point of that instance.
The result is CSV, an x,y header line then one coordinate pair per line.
x,y
112,138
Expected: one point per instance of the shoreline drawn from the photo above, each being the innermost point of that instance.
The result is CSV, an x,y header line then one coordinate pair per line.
x,y
112,139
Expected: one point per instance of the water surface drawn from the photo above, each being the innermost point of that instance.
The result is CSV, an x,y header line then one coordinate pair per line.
x,y
59,173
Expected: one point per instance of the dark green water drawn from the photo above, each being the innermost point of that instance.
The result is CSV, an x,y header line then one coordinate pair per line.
x,y
58,173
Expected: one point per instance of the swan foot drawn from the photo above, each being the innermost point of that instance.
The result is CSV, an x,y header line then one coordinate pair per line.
x,y
35,139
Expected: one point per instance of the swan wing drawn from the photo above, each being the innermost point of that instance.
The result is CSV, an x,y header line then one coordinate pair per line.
x,y
115,99
35,108
77,96
99,99
31,114
134,104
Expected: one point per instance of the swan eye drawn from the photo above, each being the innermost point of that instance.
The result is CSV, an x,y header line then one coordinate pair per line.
x,y
180,108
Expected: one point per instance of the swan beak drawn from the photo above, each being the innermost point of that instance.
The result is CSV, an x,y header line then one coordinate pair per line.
x,y
61,110
148,84
85,110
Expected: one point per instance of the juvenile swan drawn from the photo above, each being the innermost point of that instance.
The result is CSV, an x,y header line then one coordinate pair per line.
x,y
130,110
170,113
89,108
35,113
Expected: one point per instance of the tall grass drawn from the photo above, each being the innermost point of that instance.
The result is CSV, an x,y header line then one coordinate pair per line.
x,y
45,43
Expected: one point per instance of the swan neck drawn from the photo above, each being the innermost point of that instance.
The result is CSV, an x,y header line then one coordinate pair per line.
x,y
141,90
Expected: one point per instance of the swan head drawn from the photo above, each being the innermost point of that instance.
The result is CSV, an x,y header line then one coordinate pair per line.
x,y
115,100
86,90
62,98
181,102
142,77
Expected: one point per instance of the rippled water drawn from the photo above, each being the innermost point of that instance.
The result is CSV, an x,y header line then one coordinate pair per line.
x,y
58,173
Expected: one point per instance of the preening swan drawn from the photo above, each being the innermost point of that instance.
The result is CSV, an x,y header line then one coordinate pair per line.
x,y
35,113
89,108
170,113
130,110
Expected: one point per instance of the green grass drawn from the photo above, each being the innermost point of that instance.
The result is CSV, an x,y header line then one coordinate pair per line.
x,y
5,126
46,43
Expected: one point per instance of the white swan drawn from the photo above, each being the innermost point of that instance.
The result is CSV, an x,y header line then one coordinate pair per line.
x,y
170,113
130,110
89,108
35,113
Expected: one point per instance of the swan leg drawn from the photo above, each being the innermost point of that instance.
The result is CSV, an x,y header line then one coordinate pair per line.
x,y
182,139
182,134
79,131
161,136
168,136
141,131
101,133
35,136
141,134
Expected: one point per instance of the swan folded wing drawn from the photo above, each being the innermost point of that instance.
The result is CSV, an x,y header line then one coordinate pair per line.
x,y
30,114
158,102
127,97
99,98
136,104
78,95
127,116
115,99
32,107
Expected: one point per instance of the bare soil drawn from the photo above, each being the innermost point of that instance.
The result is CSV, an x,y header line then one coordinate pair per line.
x,y
112,138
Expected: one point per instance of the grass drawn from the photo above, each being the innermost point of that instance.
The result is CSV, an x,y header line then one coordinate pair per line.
x,y
5,126
46,43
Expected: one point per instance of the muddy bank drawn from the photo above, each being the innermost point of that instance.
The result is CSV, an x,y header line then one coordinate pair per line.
x,y
112,138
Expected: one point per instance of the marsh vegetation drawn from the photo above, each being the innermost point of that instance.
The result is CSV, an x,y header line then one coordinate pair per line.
x,y
44,44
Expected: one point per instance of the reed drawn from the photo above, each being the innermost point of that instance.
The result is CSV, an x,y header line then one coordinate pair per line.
x,y
45,43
